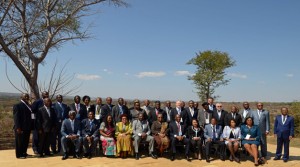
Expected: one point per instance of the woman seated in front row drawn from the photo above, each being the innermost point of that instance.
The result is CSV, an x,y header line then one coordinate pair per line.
x,y
123,135
232,137
159,130
107,131
251,138
196,134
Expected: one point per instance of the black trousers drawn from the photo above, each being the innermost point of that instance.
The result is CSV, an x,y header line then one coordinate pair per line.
x,y
185,141
56,139
21,143
44,144
221,148
196,146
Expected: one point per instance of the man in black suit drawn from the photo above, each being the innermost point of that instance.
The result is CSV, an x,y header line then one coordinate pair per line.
x,y
152,116
233,115
79,108
46,125
211,105
219,114
177,134
90,134
89,107
192,112
183,114
22,125
62,111
119,110
36,105
106,109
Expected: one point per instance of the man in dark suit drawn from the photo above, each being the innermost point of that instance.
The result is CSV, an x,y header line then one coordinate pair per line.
x,y
177,134
284,131
70,131
36,105
22,125
219,114
106,109
90,134
211,105
152,116
233,115
46,125
86,102
62,112
192,112
204,115
118,110
80,109
246,112
184,119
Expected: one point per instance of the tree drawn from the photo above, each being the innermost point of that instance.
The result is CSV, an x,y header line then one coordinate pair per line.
x,y
210,74
30,29
295,112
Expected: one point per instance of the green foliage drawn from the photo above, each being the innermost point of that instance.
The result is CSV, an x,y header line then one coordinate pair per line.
x,y
210,74
295,112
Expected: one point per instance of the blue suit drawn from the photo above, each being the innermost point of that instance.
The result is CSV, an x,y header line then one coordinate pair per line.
x,y
283,130
66,130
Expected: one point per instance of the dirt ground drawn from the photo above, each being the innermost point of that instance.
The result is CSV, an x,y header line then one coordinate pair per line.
x,y
7,159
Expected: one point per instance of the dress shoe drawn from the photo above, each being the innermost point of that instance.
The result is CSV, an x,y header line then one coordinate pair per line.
x,y
285,160
41,156
153,156
172,157
137,156
54,152
187,158
276,158
65,157
76,156
89,156
231,158
236,160
207,160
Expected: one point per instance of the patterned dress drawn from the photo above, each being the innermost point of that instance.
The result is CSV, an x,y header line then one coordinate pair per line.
x,y
108,143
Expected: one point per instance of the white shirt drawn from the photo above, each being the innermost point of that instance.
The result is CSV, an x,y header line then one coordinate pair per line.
x,y
245,113
284,118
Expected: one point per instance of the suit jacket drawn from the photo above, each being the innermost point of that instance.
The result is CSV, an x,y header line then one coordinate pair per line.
x,y
221,120
36,105
140,127
284,130
153,117
22,117
249,114
201,117
86,129
227,131
66,128
44,122
214,108
263,122
106,110
192,133
208,132
168,112
238,119
183,114
82,113
174,129
91,108
62,112
134,114
254,132
116,112
195,116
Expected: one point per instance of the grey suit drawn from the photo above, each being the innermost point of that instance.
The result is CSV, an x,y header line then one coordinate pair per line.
x,y
263,122
138,128
67,130
202,115
208,134
248,114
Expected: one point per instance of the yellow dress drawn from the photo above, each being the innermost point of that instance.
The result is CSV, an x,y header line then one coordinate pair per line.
x,y
124,143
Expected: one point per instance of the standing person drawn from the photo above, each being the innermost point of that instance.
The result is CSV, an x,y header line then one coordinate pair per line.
x,y
152,116
46,126
196,134
261,118
62,111
204,115
106,109
220,114
90,134
192,112
98,107
70,131
36,105
168,109
134,113
234,114
119,110
184,119
79,108
147,108
86,102
123,135
107,131
160,131
284,132
246,112
22,125
211,104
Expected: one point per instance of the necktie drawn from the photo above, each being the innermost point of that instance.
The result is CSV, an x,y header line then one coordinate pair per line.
x,y
121,110
214,133
233,116
72,125
77,107
91,125
179,129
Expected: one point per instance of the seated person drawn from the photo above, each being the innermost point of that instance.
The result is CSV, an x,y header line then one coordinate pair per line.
x,y
141,131
195,134
123,135
70,131
213,135
250,135
232,137
107,131
90,134
159,130
177,134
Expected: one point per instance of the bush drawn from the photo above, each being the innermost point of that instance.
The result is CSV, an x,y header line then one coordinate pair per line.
x,y
295,112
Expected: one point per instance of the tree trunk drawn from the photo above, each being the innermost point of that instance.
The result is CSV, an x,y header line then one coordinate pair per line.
x,y
33,82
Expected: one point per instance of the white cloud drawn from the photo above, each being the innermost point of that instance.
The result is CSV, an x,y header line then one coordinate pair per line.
x,y
289,75
150,74
181,73
107,71
87,77
237,75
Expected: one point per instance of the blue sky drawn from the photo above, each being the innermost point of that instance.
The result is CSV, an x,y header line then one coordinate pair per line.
x,y
141,51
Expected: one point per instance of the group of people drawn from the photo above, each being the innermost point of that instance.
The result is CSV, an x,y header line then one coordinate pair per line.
x,y
80,127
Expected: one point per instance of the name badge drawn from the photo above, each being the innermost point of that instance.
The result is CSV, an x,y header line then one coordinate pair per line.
x,y
32,116
181,120
97,116
247,137
179,133
207,121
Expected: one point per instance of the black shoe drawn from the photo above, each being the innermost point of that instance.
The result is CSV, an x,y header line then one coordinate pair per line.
x,y
65,157
90,156
207,160
54,152
172,157
276,158
285,160
76,156
48,154
137,156
187,158
153,156
41,156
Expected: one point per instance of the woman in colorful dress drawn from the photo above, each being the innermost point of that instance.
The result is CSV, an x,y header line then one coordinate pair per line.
x,y
159,130
123,135
107,132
